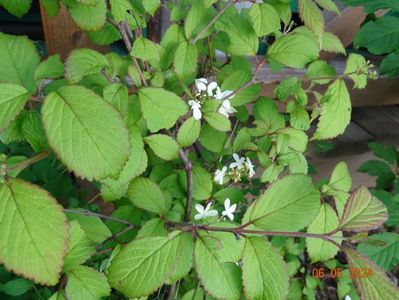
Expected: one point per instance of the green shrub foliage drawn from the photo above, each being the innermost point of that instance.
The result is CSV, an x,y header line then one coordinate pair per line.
x,y
208,178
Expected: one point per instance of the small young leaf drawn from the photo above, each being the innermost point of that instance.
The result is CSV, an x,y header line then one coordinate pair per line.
x,y
163,146
17,8
354,65
311,15
143,265
363,212
218,121
264,272
83,62
33,131
325,222
38,226
51,68
145,49
331,43
147,195
188,132
336,111
202,186
281,207
51,7
264,19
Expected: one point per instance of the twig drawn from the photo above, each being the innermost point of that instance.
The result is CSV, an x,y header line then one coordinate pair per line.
x,y
93,214
172,291
124,29
189,174
117,234
26,163
215,18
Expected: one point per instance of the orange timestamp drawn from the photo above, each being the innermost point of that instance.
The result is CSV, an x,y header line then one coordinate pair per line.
x,y
354,273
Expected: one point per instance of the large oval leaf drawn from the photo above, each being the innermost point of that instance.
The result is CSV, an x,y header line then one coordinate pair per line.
x,y
145,264
289,204
33,232
86,132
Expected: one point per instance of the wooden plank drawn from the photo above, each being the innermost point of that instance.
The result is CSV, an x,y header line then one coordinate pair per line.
x,y
62,35
378,121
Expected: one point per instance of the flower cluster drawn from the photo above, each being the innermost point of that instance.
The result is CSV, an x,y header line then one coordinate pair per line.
x,y
242,166
210,91
204,212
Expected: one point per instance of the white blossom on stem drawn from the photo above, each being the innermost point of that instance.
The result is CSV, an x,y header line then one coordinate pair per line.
x,y
229,209
204,212
195,107
201,84
250,167
238,163
223,95
225,109
219,175
211,87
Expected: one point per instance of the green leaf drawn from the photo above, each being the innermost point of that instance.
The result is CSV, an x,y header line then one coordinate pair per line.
x,y
105,36
16,287
51,7
103,141
218,121
51,68
143,265
153,227
87,17
293,50
94,228
379,37
220,279
325,222
161,108
14,133
115,188
163,146
264,272
119,9
339,186
371,6
197,19
19,56
194,294
356,64
266,111
117,96
375,168
243,39
186,57
151,6
299,117
289,204
320,68
328,5
13,98
386,152
188,132
86,283
264,19
363,212
83,62
331,43
212,139
147,195
38,228
378,285
33,131
390,65
202,183
145,49
335,111
385,254
287,87
17,8
80,248
311,15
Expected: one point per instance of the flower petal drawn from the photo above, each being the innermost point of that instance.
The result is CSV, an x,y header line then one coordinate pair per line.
x,y
199,208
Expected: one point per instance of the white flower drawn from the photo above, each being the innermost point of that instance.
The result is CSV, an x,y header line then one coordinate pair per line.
x,y
347,297
250,167
219,175
201,84
204,213
225,109
229,210
211,87
195,106
223,95
239,161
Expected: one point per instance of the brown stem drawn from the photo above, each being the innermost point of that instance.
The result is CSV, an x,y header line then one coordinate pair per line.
x,y
124,29
118,234
172,291
93,214
27,163
189,174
